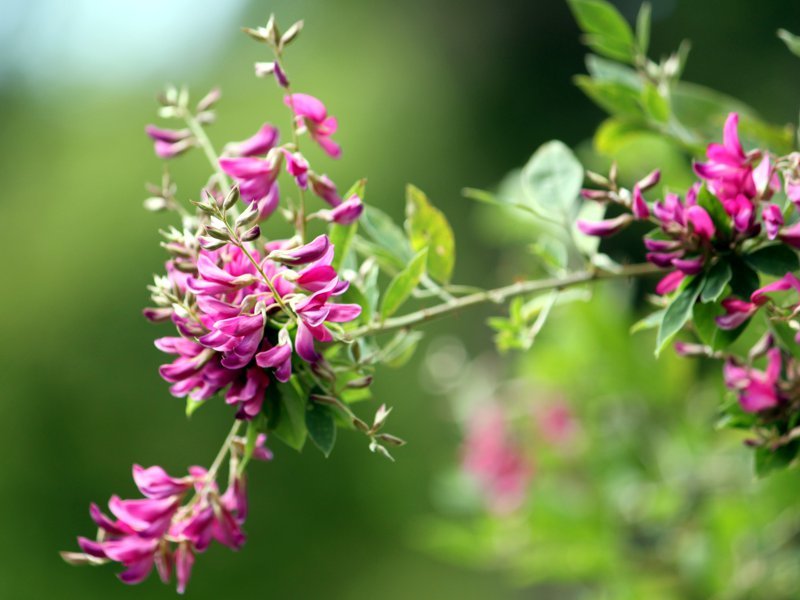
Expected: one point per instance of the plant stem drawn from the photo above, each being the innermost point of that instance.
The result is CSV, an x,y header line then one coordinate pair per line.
x,y
208,148
497,296
226,445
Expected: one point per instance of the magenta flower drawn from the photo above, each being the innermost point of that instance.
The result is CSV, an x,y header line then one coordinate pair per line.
x,y
278,357
345,213
257,181
729,171
170,142
737,312
785,283
758,390
773,220
606,227
311,114
259,143
790,235
297,167
326,189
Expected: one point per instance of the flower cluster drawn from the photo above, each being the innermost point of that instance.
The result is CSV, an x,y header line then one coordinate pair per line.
x,y
168,527
243,313
731,225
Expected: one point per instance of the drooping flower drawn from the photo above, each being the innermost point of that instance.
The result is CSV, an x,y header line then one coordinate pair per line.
x,y
261,142
169,143
311,114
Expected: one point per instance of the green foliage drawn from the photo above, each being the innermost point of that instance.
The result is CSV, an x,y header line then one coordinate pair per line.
x,y
427,227
321,427
767,460
678,312
791,40
774,260
552,180
717,278
400,288
286,413
703,319
607,32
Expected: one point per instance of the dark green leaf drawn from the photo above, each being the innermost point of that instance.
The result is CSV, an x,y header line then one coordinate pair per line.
x,y
254,427
607,70
744,280
403,284
321,427
717,278
678,312
427,227
774,260
767,460
290,428
552,179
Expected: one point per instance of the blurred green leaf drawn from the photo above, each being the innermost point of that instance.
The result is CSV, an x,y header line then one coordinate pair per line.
x,y
400,288
744,279
651,321
400,348
321,427
768,461
703,318
643,28
615,98
608,33
552,179
655,104
791,40
427,227
605,70
386,234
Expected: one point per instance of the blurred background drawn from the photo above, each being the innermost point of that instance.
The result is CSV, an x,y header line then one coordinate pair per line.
x,y
444,95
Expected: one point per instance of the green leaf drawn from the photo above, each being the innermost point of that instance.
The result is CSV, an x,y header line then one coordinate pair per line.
x,y
193,405
587,245
703,317
776,260
607,70
678,312
354,295
291,428
791,40
552,180
608,33
403,284
400,348
651,321
615,98
768,460
655,104
321,427
427,227
613,135
784,335
643,28
386,234
717,278
744,280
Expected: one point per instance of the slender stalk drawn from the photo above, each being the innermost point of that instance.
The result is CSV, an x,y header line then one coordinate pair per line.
x,y
498,296
208,148
223,451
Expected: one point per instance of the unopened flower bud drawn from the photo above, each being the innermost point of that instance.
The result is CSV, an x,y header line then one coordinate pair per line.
x,y
321,369
251,234
271,31
155,204
218,232
264,69
597,179
208,243
248,216
359,383
291,33
209,100
390,439
649,180
231,198
380,417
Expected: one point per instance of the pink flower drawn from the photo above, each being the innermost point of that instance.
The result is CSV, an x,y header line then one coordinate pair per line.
x,y
312,114
259,143
737,312
785,283
606,227
729,171
257,181
498,465
345,213
170,142
758,390
773,220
